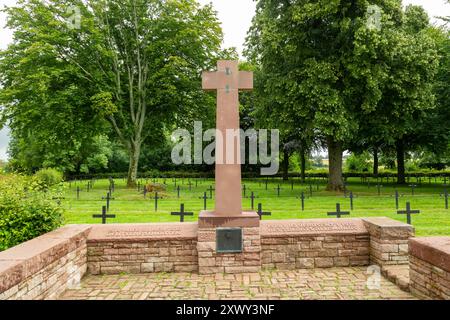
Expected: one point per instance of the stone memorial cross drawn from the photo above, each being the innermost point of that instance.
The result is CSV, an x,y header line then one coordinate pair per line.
x,y
227,81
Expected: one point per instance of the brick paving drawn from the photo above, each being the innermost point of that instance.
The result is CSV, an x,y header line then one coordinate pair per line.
x,y
317,284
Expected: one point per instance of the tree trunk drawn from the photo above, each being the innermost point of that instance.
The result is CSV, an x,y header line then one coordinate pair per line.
x,y
400,162
286,165
335,182
135,152
303,165
376,161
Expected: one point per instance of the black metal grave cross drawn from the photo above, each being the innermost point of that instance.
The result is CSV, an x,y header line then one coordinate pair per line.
x,y
351,200
182,213
408,212
278,190
261,213
338,212
445,195
413,186
108,199
210,189
145,193
104,216
205,198
252,197
302,198
379,186
156,198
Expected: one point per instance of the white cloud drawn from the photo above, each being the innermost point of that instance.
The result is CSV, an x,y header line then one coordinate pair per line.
x,y
5,34
236,17
435,8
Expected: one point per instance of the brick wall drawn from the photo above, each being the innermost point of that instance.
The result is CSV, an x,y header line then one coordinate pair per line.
x,y
48,265
306,252
429,267
388,241
142,256
45,267
210,262
142,248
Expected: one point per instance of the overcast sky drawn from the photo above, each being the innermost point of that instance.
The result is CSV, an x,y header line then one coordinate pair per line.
x,y
235,15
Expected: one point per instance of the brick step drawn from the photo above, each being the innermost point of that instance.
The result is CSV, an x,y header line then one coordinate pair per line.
x,y
398,274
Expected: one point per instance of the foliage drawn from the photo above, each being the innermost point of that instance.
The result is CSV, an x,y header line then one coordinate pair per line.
x,y
321,64
358,162
47,178
25,212
132,64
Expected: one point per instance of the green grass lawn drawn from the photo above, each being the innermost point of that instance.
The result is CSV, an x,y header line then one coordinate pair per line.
x,y
130,206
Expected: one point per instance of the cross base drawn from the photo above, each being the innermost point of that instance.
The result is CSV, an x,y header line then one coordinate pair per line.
x,y
211,241
210,219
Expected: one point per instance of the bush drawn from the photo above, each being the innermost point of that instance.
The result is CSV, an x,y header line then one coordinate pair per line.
x,y
358,163
47,178
25,212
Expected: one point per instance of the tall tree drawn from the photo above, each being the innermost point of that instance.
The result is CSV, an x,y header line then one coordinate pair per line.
x,y
45,102
403,82
330,62
141,59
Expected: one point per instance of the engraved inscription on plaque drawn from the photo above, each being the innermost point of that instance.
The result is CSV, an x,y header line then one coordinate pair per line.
x,y
229,240
156,232
312,227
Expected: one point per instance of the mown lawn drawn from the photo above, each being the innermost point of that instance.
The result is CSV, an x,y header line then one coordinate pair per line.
x,y
130,206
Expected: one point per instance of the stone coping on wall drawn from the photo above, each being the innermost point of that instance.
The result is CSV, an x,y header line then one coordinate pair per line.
x,y
143,232
312,227
21,262
434,250
386,228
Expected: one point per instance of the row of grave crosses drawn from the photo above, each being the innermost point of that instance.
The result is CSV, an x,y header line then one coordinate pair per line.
x,y
109,197
408,212
182,213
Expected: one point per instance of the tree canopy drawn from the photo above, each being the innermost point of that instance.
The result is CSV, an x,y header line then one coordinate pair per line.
x,y
134,64
324,65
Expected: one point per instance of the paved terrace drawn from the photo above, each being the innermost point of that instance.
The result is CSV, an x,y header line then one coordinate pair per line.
x,y
319,284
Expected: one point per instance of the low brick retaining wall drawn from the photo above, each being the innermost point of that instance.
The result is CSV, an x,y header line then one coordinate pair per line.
x,y
46,266
429,267
170,247
306,244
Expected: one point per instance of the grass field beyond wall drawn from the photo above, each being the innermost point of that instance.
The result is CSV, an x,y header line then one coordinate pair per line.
x,y
129,205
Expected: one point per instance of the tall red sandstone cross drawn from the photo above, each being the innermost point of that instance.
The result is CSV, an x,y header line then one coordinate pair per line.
x,y
228,80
